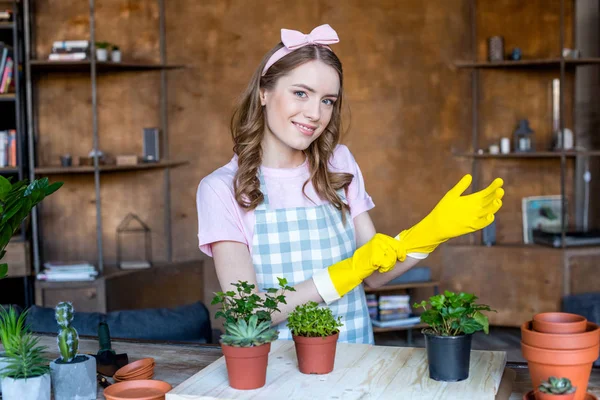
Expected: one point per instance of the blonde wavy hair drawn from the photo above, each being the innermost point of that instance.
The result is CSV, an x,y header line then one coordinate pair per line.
x,y
248,126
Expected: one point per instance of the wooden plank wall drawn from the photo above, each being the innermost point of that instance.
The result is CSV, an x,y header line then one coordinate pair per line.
x,y
408,106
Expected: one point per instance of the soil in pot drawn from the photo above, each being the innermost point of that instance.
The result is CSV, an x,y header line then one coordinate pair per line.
x,y
573,364
558,322
448,357
246,366
557,341
316,355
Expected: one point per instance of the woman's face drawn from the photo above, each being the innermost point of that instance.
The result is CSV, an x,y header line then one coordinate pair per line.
x,y
299,107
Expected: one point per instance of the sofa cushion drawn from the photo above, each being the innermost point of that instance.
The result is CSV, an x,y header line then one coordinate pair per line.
x,y
41,319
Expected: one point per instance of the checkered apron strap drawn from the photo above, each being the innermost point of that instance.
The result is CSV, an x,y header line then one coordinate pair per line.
x,y
294,243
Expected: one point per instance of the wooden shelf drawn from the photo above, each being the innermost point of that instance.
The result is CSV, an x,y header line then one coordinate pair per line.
x,y
9,170
7,25
7,97
404,286
377,329
527,64
107,168
84,66
532,155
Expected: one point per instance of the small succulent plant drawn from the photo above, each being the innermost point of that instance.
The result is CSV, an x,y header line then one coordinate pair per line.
x,y
248,334
68,339
557,386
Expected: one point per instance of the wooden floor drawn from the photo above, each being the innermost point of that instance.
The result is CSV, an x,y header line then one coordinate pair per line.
x,y
499,339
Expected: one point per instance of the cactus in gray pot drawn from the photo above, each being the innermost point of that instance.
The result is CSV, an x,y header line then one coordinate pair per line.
x,y
68,339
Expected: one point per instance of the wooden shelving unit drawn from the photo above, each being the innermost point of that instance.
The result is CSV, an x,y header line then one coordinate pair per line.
x,y
108,168
107,66
532,155
528,64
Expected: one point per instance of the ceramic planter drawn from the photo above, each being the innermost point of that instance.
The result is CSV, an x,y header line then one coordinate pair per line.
x,y
37,388
246,366
74,380
115,56
573,364
101,54
3,364
547,396
558,341
316,355
558,322
448,357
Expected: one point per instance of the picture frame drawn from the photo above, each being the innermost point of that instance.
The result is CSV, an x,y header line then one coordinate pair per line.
x,y
541,212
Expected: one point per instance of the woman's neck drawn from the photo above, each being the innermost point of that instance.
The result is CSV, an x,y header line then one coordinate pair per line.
x,y
276,154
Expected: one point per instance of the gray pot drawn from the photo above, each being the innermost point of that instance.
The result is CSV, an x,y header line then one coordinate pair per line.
x,y
37,388
3,364
74,380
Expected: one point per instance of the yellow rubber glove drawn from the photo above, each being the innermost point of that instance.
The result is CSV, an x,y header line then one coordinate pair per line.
x,y
380,253
455,215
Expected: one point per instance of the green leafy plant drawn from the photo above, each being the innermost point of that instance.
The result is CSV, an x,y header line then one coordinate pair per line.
x,y
16,201
68,339
247,334
555,385
25,359
309,320
102,45
11,326
244,302
452,314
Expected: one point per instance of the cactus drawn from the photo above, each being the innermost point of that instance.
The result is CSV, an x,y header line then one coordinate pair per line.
x,y
248,334
68,339
557,386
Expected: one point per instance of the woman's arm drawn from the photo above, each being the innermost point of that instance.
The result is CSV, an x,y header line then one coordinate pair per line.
x,y
365,230
233,263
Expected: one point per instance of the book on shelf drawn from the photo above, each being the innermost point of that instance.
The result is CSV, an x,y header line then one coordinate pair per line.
x,y
8,148
6,68
70,50
63,272
408,321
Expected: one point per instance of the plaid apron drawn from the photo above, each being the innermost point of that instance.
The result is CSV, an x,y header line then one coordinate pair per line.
x,y
294,243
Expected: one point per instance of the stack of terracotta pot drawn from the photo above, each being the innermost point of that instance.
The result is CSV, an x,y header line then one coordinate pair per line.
x,y
561,345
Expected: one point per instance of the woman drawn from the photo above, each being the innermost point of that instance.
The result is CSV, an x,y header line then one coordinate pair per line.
x,y
292,203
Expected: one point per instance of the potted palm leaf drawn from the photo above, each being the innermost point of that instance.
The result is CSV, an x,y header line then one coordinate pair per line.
x,y
315,332
12,325
26,377
73,375
452,319
248,334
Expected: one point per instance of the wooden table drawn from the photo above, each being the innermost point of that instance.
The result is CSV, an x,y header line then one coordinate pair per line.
x,y
177,362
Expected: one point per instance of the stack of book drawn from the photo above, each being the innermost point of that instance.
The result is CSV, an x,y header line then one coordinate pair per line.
x,y
61,272
70,50
372,305
8,148
394,310
7,67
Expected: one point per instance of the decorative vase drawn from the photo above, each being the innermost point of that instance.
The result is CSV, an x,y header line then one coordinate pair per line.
x,y
246,366
448,357
559,322
316,355
101,54
115,56
75,380
37,388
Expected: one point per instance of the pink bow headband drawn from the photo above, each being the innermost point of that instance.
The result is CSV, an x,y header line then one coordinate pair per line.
x,y
292,40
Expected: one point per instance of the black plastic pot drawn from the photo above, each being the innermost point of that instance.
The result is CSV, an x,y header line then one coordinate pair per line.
x,y
448,357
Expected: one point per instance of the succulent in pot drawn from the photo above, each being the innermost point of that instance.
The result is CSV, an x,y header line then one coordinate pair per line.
x,y
315,332
452,319
556,389
248,333
73,374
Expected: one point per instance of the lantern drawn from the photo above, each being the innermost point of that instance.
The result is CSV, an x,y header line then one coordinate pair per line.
x,y
523,137
130,233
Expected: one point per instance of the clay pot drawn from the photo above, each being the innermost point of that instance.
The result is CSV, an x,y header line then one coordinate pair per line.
x,y
530,396
316,355
246,366
573,364
558,322
547,396
557,341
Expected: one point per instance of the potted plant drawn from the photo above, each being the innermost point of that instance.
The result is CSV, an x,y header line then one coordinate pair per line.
x,y
556,389
248,334
115,54
452,319
102,51
73,375
11,325
16,201
315,332
26,376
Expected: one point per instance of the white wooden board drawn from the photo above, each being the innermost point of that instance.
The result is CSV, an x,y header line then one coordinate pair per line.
x,y
360,372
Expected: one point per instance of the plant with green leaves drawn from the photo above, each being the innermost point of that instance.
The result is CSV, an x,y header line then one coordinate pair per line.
x,y
244,302
16,201
102,45
11,325
25,359
453,314
68,339
248,334
557,386
310,320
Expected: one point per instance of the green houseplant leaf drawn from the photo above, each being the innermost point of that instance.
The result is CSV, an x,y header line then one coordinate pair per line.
x,y
309,320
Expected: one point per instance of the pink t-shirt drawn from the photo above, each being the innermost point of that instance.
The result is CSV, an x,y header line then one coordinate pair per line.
x,y
221,218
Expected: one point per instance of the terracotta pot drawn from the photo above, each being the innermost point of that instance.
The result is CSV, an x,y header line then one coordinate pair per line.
x,y
316,355
246,366
557,341
573,364
546,396
558,322
530,396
